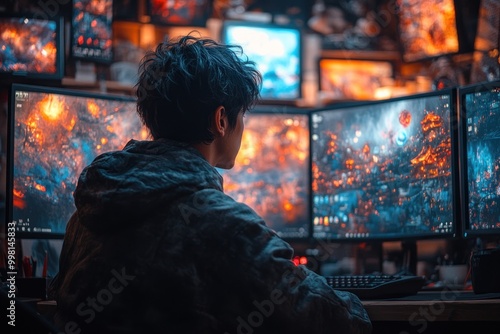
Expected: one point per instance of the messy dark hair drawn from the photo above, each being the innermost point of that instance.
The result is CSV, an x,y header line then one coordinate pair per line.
x,y
183,81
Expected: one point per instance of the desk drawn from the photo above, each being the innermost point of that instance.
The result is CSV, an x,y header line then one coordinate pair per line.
x,y
425,313
436,312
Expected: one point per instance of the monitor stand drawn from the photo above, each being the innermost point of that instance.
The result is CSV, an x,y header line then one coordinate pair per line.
x,y
369,257
409,250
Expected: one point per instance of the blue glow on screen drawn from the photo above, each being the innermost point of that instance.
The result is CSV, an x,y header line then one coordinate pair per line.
x,y
277,53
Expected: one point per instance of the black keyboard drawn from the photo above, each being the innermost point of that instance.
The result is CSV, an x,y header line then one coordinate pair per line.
x,y
377,286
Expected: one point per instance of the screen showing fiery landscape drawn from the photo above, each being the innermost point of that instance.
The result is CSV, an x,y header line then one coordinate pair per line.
x,y
383,170
350,79
55,136
427,28
28,45
271,173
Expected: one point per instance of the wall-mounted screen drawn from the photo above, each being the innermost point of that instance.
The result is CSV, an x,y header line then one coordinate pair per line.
x,y
31,47
92,30
427,28
277,52
180,12
352,79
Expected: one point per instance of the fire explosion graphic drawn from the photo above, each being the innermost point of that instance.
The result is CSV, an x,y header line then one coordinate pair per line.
x,y
271,171
28,45
55,137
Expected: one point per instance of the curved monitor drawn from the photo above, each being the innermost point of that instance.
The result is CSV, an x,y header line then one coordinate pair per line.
x,y
385,170
53,134
277,52
271,173
480,148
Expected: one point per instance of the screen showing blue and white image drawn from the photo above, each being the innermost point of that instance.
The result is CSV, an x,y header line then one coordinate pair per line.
x,y
276,50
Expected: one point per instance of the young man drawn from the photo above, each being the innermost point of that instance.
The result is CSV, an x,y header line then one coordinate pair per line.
x,y
156,246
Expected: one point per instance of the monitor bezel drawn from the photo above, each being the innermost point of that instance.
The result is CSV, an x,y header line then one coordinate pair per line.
x,y
72,41
457,224
10,144
60,54
463,91
264,100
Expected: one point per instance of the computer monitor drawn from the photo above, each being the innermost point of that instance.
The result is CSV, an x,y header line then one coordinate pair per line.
x,y
92,31
271,173
277,52
427,29
386,170
53,133
480,149
31,47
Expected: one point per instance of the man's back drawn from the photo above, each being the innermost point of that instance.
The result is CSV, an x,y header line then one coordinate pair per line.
x,y
204,263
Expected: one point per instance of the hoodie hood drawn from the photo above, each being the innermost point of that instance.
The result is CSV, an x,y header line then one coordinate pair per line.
x,y
124,187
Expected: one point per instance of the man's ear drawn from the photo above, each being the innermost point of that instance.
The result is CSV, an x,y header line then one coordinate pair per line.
x,y
220,121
